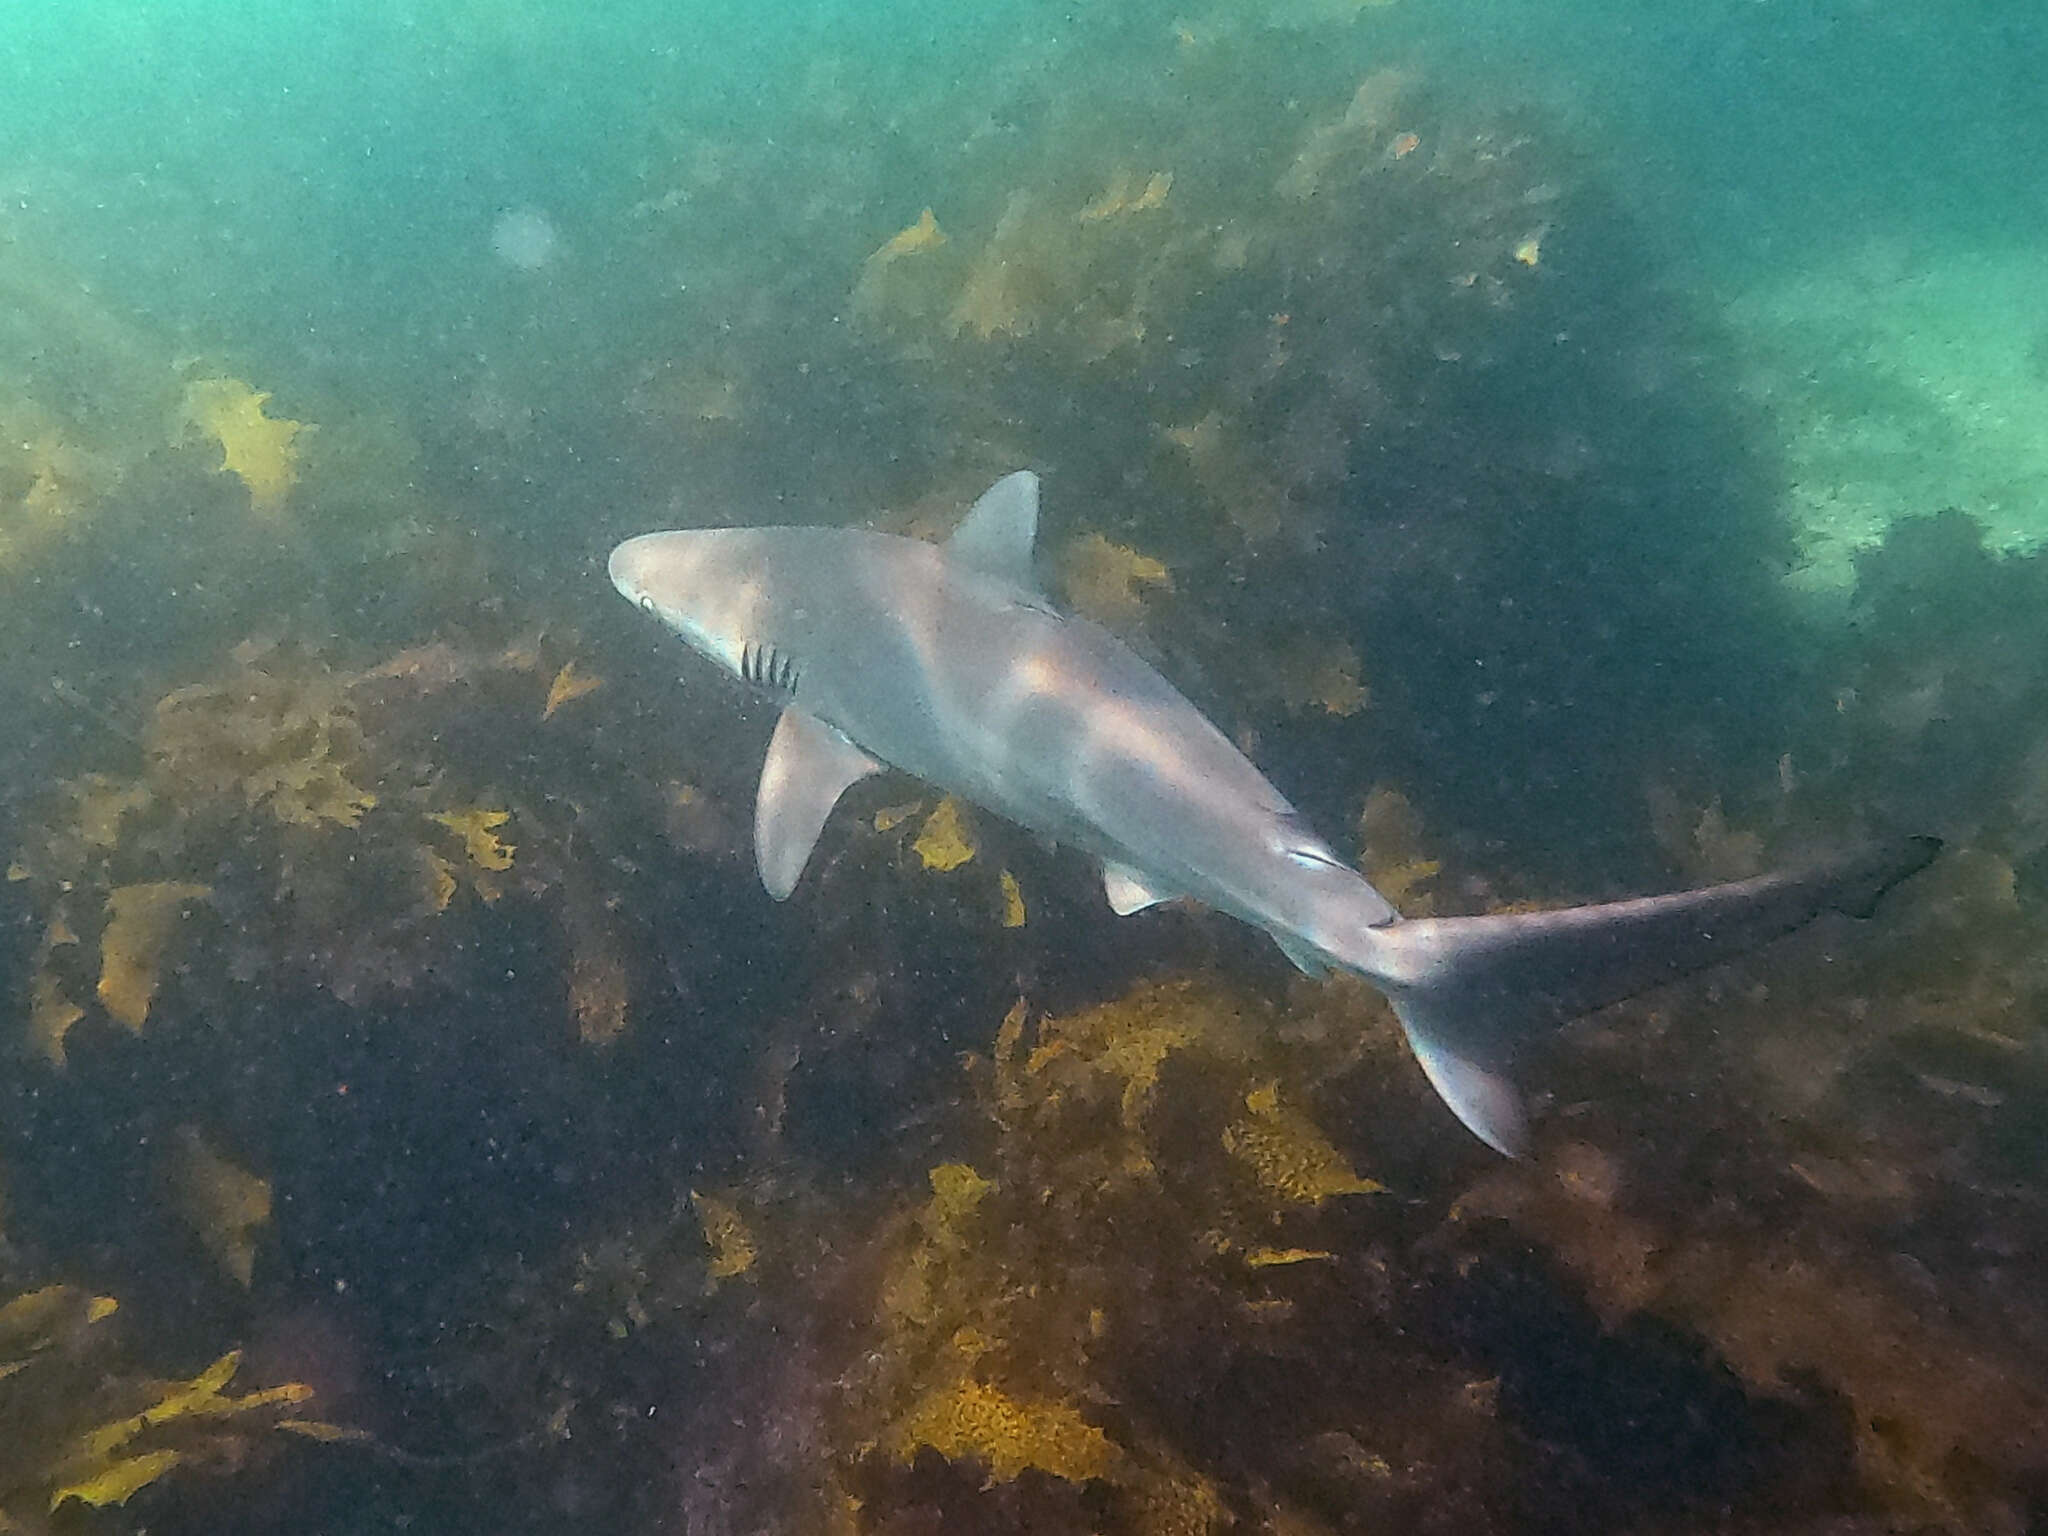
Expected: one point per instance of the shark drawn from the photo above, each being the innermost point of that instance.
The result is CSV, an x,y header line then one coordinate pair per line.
x,y
947,662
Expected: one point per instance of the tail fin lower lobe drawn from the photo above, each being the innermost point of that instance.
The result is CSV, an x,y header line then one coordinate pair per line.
x,y
1470,990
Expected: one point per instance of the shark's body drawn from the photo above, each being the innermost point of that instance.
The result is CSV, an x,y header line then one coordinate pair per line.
x,y
944,661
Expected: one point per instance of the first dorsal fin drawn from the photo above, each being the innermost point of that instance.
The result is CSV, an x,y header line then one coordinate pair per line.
x,y
998,533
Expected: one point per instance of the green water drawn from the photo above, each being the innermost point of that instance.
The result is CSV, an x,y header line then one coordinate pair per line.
x,y
1575,450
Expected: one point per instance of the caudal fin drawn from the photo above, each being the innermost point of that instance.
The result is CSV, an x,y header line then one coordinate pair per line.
x,y
1470,990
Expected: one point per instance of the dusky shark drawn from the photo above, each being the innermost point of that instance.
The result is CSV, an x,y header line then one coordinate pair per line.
x,y
946,661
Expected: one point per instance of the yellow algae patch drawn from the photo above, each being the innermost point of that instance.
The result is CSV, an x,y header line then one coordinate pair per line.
x,y
1157,185
50,1017
326,1433
478,829
285,743
1013,900
102,803
1324,678
308,793
992,304
53,1316
924,235
1274,1258
1529,249
732,1245
1390,831
200,1398
1010,1033
1008,282
568,684
60,487
956,1191
902,281
109,1464
1123,197
437,664
139,923
890,817
917,1288
970,1419
118,1481
1335,685
1107,582
440,880
102,1466
1230,471
224,1205
261,450
1288,1155
56,488
1119,1045
944,842
1124,1042
1178,1501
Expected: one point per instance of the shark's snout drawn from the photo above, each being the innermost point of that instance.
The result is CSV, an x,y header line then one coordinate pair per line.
x,y
628,568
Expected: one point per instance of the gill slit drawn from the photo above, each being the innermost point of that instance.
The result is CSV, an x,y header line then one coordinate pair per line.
x,y
766,667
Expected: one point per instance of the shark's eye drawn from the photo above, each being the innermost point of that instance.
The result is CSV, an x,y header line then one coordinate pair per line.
x,y
647,601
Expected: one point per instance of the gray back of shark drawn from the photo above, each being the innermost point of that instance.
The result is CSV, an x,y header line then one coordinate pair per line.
x,y
946,662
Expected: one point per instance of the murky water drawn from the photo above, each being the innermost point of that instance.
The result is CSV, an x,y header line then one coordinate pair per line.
x,y
1574,452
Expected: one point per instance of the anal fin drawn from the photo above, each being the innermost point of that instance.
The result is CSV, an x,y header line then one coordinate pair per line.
x,y
1307,959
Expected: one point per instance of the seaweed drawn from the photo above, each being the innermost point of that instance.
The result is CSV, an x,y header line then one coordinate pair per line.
x,y
83,1427
1370,420
1096,1176
258,449
332,779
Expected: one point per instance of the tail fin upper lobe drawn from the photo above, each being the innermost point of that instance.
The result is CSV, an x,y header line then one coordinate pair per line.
x,y
1469,990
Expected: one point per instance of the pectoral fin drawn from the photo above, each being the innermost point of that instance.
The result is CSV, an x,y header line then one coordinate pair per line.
x,y
808,767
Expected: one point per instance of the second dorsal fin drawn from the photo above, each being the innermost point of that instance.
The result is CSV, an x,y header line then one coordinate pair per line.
x,y
1128,891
